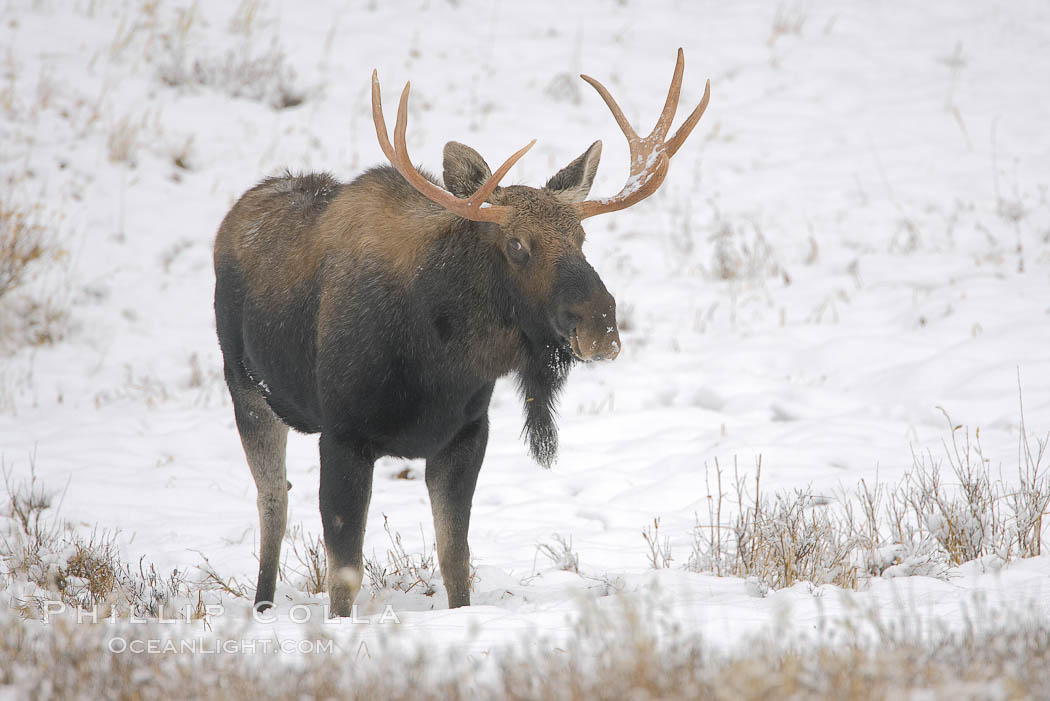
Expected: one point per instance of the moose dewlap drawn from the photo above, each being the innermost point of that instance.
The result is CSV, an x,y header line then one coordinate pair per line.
x,y
380,312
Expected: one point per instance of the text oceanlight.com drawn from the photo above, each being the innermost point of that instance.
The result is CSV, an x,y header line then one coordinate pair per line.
x,y
215,646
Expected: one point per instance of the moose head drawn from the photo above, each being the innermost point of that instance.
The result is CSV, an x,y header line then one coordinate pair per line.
x,y
539,230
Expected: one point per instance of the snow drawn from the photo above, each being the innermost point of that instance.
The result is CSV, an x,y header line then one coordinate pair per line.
x,y
855,234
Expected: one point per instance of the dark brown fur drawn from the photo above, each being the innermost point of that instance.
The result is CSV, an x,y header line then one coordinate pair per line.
x,y
367,313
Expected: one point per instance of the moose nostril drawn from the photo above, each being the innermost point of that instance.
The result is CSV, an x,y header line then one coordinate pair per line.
x,y
568,320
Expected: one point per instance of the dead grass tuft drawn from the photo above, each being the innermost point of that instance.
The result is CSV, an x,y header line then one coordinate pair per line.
x,y
122,142
31,313
560,553
87,573
616,652
787,20
659,550
782,540
923,525
309,573
249,71
402,571
23,240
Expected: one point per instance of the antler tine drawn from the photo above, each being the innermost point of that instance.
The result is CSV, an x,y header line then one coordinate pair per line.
x,y
493,182
663,124
687,126
617,113
401,127
651,156
379,119
397,153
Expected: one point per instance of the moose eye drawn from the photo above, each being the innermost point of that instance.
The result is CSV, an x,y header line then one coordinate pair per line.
x,y
517,252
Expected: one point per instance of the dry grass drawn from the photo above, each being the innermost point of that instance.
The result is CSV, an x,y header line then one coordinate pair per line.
x,y
740,254
247,17
211,580
921,525
31,313
86,573
89,573
309,572
122,141
659,550
28,320
249,71
627,652
782,540
560,554
23,240
262,76
637,650
787,20
177,43
402,571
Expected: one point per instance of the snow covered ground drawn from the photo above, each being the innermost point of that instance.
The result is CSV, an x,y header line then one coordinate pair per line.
x,y
856,235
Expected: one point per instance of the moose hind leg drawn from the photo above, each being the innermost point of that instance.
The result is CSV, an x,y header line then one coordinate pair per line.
x,y
451,477
264,437
346,489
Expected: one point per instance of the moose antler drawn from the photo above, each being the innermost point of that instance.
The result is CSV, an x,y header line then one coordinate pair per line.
x,y
474,207
651,156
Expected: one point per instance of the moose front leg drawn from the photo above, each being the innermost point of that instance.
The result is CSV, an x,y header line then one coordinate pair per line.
x,y
346,488
451,476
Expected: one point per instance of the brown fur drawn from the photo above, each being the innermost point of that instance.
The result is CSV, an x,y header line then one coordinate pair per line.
x,y
377,216
369,314
265,227
282,230
549,228
380,217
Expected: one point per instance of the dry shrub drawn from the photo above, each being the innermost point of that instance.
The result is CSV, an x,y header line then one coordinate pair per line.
x,y
123,140
787,20
780,541
740,251
211,580
246,17
617,652
309,573
23,240
27,320
89,574
86,573
641,652
560,553
403,571
30,313
1030,501
262,76
28,500
246,72
921,525
659,550
979,515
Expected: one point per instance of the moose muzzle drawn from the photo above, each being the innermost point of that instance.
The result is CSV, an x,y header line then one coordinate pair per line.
x,y
590,344
585,312
594,335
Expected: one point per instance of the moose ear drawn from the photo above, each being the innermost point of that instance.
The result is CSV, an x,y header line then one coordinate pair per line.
x,y
573,182
465,169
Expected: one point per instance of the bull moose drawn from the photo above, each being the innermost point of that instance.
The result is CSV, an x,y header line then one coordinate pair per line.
x,y
380,312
